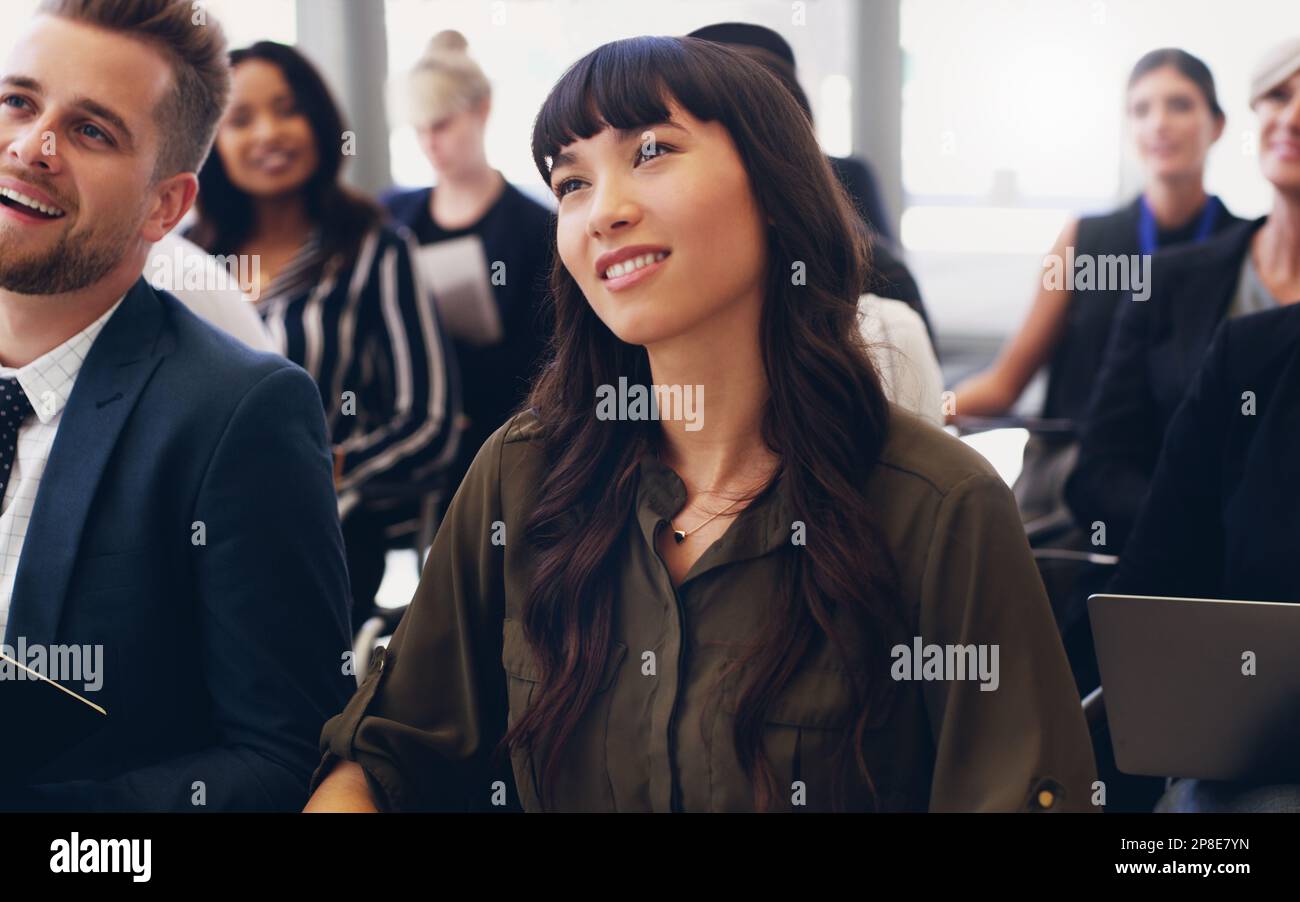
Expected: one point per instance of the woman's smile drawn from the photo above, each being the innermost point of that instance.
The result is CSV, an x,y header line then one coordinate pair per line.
x,y
623,270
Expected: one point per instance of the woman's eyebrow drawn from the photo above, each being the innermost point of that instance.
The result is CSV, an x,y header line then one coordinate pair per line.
x,y
571,158
564,158
628,134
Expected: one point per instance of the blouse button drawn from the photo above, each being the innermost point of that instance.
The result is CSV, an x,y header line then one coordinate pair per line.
x,y
1046,794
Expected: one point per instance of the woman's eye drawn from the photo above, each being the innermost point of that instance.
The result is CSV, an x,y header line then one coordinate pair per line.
x,y
14,100
563,187
651,150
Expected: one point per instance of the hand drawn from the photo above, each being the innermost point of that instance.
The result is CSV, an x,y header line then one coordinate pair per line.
x,y
338,466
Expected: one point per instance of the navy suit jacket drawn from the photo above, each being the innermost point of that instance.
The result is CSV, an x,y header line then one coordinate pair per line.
x,y
186,523
1221,520
1155,349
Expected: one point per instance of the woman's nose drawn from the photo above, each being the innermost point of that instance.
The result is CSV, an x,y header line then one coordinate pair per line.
x,y
266,128
613,209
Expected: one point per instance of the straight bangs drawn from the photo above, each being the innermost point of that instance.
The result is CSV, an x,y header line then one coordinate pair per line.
x,y
628,85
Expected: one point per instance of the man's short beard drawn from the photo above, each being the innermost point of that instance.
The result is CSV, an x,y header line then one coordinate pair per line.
x,y
74,263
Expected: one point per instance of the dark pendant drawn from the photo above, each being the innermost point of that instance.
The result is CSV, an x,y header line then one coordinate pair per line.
x,y
679,536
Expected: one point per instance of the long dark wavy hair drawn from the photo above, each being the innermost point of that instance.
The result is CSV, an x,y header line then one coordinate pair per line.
x,y
225,213
826,417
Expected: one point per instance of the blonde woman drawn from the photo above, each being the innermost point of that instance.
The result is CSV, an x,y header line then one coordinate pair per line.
x,y
448,100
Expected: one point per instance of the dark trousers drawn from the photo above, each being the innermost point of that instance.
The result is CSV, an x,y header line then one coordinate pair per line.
x,y
364,540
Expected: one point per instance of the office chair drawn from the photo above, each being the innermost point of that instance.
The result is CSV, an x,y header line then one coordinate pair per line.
x,y
1052,523
432,488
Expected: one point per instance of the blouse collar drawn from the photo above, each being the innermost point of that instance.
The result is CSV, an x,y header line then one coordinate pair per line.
x,y
766,524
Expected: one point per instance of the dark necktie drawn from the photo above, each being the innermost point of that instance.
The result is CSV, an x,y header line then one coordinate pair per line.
x,y
14,408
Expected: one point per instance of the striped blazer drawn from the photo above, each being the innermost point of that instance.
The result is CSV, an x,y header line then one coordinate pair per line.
x,y
366,331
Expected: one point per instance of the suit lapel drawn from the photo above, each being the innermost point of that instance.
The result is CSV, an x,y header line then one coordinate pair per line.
x,y
118,366
1216,283
1280,432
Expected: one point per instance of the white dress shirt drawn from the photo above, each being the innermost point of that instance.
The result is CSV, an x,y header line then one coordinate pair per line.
x,y
216,298
900,346
47,381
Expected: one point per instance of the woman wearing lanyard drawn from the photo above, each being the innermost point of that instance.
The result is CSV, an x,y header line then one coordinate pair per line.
x,y
1158,346
1175,119
335,289
1220,520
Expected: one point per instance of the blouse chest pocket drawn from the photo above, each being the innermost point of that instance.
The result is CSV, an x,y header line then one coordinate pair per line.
x,y
804,730
581,778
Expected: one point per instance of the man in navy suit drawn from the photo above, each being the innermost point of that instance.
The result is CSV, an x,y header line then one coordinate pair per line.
x,y
167,494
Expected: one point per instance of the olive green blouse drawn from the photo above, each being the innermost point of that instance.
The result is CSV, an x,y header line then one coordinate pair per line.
x,y
459,669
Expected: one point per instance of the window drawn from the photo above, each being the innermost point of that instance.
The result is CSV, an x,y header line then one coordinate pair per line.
x,y
1014,122
244,21
524,47
17,12
247,21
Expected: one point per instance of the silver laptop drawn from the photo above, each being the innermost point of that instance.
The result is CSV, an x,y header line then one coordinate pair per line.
x,y
1179,698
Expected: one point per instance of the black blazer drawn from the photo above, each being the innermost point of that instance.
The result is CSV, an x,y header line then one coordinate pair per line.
x,y
1221,520
1079,354
859,179
889,277
1155,348
223,645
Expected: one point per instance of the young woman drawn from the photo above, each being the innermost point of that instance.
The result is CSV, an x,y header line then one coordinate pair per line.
x,y
449,99
337,291
727,611
1174,119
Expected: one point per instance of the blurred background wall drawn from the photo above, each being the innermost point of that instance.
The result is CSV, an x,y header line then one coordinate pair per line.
x,y
988,122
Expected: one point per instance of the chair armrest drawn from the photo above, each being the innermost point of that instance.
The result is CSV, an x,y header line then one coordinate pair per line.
x,y
1046,529
1083,557
967,425
1094,710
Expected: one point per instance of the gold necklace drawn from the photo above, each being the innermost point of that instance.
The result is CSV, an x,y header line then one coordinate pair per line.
x,y
680,534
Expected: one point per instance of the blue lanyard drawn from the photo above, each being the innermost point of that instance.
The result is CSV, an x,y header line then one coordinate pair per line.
x,y
1147,230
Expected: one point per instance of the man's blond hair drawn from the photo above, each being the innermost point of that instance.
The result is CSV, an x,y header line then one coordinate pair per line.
x,y
194,44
